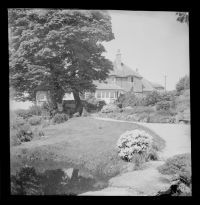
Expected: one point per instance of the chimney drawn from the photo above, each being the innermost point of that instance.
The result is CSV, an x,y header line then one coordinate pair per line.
x,y
118,58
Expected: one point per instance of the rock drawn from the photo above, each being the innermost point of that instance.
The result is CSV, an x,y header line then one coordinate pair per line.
x,y
77,114
68,172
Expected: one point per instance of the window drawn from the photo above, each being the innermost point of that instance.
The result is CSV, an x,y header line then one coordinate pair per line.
x,y
98,94
112,94
103,94
132,79
107,94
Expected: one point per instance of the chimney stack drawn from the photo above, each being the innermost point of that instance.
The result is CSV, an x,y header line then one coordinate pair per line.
x,y
118,58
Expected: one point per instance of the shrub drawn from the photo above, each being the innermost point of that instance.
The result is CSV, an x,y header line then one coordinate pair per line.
x,y
93,104
35,120
25,114
60,118
183,84
35,110
48,109
133,142
178,164
109,108
20,131
159,117
163,105
152,98
129,99
26,182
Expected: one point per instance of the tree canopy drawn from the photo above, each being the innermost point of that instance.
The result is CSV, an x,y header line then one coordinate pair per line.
x,y
183,17
183,84
58,50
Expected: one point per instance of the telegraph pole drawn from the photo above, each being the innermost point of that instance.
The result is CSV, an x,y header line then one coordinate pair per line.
x,y
165,82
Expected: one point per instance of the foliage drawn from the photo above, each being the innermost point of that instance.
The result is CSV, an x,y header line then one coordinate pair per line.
x,y
35,120
26,182
20,131
133,142
183,84
129,99
60,118
93,104
178,165
25,114
57,50
35,110
109,108
48,109
163,105
183,17
152,98
139,109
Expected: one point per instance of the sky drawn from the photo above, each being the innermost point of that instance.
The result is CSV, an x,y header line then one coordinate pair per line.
x,y
153,42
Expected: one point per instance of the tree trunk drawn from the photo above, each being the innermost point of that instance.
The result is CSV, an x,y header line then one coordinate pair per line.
x,y
78,103
56,99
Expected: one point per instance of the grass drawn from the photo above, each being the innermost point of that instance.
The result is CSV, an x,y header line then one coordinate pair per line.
x,y
85,143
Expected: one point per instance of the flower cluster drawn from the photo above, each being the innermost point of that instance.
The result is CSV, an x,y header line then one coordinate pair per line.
x,y
133,142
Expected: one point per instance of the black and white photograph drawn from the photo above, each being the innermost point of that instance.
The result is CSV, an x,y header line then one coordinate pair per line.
x,y
99,102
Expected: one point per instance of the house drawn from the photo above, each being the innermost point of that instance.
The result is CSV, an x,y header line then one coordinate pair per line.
x,y
150,86
120,80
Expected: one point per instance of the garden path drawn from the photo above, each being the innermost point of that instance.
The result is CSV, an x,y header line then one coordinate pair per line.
x,y
149,181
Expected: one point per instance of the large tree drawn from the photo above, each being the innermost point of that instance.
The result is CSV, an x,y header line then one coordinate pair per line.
x,y
58,50
183,17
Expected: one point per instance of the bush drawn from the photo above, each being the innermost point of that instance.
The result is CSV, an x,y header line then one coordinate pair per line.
x,y
152,98
109,108
132,143
26,182
163,105
159,117
183,84
178,165
20,131
129,99
35,110
35,120
25,114
93,104
48,109
60,118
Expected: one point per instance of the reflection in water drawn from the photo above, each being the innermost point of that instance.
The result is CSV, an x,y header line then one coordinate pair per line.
x,y
50,182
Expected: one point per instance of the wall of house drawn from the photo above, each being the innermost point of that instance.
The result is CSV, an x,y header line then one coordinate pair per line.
x,y
41,97
107,95
137,86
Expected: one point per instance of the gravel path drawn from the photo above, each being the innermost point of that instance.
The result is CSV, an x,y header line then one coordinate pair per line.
x,y
149,181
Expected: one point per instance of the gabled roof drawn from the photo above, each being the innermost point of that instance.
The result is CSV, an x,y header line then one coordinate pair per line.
x,y
156,85
124,71
147,86
107,86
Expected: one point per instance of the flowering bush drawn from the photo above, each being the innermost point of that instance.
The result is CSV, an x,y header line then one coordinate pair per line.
x,y
35,120
134,142
60,118
109,108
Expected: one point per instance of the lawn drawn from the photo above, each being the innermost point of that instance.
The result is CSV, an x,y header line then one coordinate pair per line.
x,y
85,143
